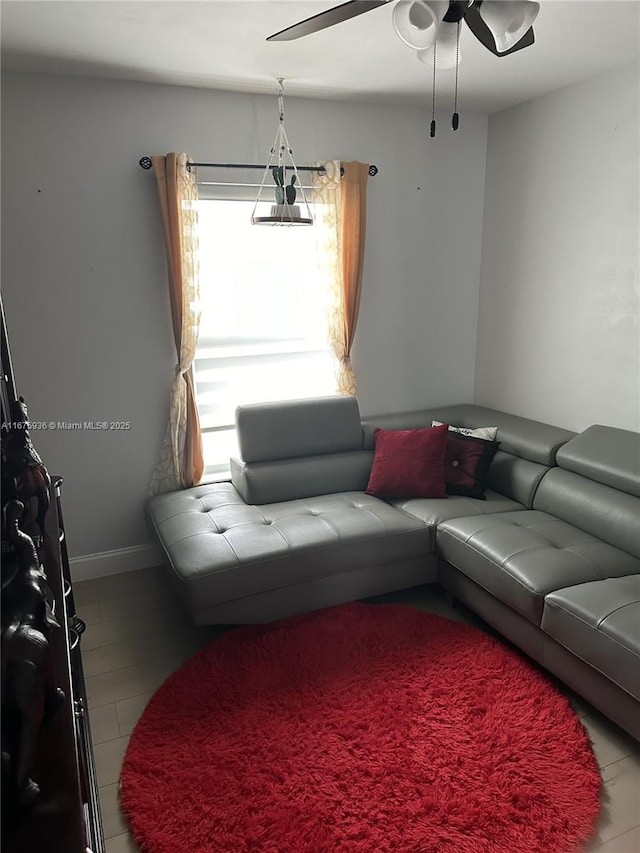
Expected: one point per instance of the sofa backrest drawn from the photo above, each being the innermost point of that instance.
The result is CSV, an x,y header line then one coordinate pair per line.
x,y
290,428
527,448
299,448
596,486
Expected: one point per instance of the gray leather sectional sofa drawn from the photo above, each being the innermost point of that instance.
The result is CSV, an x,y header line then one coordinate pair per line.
x,y
551,559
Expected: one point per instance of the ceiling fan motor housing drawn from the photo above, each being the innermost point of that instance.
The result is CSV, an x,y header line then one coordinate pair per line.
x,y
457,10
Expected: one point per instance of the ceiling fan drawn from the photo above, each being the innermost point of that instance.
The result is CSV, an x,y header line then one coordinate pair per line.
x,y
502,26
432,29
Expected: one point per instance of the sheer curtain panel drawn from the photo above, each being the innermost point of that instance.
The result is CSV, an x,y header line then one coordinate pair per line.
x,y
342,218
181,462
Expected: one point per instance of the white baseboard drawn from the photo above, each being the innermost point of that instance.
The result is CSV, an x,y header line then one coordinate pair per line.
x,y
114,562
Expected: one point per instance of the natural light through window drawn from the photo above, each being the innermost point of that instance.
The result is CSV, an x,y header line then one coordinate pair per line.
x,y
263,333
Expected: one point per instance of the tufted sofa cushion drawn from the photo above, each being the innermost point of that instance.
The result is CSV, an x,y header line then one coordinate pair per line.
x,y
534,553
221,549
600,623
433,511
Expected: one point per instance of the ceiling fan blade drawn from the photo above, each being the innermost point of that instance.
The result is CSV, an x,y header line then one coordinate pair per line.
x,y
327,19
482,32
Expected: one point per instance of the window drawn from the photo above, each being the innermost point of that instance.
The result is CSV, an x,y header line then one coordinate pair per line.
x,y
263,328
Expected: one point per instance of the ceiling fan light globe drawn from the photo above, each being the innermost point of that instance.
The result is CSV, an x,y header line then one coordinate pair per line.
x,y
446,48
420,16
508,20
444,62
416,23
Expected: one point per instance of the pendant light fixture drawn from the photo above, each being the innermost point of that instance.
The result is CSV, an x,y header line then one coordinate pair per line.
x,y
432,28
281,186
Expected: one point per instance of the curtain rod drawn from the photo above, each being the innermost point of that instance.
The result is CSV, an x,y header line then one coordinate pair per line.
x,y
145,162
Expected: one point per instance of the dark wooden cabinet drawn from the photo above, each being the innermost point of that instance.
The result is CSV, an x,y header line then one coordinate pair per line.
x,y
88,785
50,798
65,816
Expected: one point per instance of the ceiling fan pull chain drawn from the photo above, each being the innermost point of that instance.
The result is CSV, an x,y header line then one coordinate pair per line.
x,y
455,118
432,131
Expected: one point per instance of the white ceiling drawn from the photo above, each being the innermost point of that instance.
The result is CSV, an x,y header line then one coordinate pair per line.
x,y
221,45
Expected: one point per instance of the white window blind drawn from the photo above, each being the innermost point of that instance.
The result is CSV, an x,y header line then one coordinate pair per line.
x,y
263,329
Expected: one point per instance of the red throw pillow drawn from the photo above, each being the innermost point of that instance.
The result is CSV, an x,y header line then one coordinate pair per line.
x,y
467,464
409,463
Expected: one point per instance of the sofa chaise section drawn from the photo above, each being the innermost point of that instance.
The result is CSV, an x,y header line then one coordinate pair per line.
x,y
294,531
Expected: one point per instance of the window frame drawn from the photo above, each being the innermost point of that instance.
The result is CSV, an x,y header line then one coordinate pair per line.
x,y
207,351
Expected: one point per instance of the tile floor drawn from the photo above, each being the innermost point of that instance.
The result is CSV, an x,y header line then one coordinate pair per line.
x,y
137,634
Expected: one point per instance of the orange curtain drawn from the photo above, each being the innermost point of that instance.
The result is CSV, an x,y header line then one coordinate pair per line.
x,y
181,461
352,220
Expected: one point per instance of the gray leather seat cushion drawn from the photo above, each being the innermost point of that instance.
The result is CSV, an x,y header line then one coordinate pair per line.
x,y
520,557
600,623
433,511
220,548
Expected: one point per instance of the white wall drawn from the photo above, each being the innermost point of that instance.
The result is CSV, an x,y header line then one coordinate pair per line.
x,y
558,329
83,265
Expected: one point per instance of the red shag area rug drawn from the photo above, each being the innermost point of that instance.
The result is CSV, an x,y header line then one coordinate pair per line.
x,y
359,729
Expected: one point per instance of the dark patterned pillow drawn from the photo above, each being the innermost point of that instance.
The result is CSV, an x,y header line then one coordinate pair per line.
x,y
467,463
477,432
409,463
